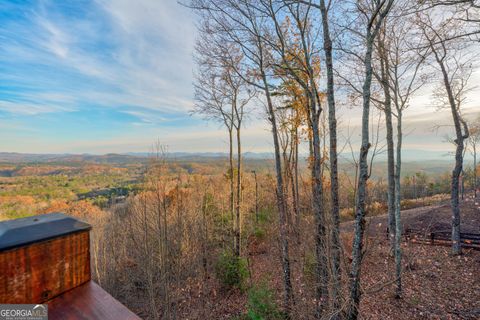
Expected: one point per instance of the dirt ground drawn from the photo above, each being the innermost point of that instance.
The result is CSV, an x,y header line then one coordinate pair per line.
x,y
436,285
426,219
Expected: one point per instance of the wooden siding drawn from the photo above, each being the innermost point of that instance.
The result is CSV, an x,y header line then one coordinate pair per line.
x,y
41,271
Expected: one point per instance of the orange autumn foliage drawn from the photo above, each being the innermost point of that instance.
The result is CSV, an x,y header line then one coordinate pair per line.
x,y
80,208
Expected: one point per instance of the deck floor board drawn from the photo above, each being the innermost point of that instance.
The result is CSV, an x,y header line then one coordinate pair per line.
x,y
88,301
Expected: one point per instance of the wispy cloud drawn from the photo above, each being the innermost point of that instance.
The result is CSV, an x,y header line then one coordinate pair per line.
x,y
30,108
133,54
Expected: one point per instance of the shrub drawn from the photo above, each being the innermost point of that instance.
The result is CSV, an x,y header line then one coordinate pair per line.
x,y
259,232
231,270
261,304
347,214
310,266
265,215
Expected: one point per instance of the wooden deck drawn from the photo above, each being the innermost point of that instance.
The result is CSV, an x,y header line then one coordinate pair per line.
x,y
88,301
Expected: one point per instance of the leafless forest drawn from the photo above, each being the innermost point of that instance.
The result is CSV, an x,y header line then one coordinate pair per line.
x,y
296,242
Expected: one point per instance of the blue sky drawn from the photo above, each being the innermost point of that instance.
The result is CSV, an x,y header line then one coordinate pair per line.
x,y
99,76
74,72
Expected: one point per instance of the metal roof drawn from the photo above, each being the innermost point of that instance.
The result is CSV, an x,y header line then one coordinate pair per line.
x,y
23,231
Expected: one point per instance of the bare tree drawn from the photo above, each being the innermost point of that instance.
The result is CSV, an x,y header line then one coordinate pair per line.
x,y
288,136
212,98
373,12
298,58
384,80
455,67
239,23
240,96
222,95
405,78
332,130
400,77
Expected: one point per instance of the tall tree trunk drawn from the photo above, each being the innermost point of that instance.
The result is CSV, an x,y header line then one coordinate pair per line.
x,y
457,170
360,210
297,197
294,196
314,112
475,171
256,196
232,188
455,203
398,199
384,67
287,175
238,227
288,299
318,210
332,127
294,179
205,236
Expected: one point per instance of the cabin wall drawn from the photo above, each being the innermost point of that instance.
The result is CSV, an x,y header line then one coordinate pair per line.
x,y
40,271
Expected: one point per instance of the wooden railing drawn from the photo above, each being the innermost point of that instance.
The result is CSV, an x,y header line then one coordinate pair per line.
x,y
443,238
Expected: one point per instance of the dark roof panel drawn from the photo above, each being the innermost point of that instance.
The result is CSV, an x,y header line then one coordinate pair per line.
x,y
23,231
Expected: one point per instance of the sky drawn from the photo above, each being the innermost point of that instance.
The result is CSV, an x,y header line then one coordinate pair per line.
x,y
103,76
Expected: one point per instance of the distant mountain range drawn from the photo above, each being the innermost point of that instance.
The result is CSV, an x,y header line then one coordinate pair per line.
x,y
427,156
13,157
10,157
130,157
437,166
196,155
